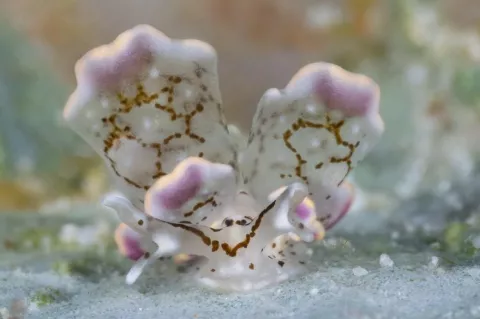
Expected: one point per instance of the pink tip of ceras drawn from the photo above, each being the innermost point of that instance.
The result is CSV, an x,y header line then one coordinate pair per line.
x,y
181,189
303,211
106,67
128,242
352,94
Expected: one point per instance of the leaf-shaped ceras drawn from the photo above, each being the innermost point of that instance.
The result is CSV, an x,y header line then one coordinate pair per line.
x,y
313,131
146,102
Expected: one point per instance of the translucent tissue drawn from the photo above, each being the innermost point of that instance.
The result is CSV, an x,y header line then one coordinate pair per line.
x,y
187,184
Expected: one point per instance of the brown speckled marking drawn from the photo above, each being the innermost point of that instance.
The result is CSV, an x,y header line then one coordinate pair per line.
x,y
232,251
241,222
229,250
334,129
251,266
199,70
210,200
142,98
301,123
324,218
215,245
117,130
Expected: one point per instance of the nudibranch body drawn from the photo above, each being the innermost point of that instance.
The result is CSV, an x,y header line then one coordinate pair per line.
x,y
187,184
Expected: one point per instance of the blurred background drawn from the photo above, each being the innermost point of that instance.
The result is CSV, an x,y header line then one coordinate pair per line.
x,y
425,54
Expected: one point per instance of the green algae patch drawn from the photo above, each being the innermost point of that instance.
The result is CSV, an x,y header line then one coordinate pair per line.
x,y
455,244
93,266
47,296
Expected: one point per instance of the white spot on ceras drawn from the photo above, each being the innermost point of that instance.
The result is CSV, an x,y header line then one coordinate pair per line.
x,y
162,99
153,73
148,123
89,114
315,142
104,102
355,129
96,127
312,108
188,93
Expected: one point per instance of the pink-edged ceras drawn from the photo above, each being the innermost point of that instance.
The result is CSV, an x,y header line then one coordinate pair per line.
x,y
189,183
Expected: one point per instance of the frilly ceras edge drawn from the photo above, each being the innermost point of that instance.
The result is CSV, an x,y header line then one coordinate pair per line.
x,y
151,108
